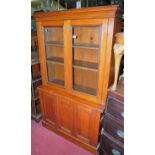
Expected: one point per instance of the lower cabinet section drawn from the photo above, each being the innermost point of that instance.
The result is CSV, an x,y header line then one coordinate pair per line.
x,y
78,122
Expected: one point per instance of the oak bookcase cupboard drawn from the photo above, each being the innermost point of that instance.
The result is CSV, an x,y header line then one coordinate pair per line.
x,y
77,65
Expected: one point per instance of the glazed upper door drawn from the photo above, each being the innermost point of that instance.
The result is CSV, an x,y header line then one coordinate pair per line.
x,y
88,55
54,50
54,54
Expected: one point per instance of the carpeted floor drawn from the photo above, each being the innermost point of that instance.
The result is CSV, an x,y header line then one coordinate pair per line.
x,y
45,142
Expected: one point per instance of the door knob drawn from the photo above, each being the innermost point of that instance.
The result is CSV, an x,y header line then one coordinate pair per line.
x,y
74,36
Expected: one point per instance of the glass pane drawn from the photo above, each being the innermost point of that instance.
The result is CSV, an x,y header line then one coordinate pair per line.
x,y
85,58
54,34
85,81
86,35
85,52
55,73
54,51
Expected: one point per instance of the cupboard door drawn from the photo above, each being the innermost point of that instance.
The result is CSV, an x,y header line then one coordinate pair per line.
x,y
65,115
88,47
83,123
54,52
50,108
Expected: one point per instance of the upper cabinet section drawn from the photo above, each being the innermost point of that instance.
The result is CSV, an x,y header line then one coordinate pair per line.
x,y
75,50
54,52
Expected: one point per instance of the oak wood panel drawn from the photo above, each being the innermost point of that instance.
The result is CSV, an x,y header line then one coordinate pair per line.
x,y
50,108
68,55
49,89
86,22
52,23
83,122
107,66
66,115
102,58
95,123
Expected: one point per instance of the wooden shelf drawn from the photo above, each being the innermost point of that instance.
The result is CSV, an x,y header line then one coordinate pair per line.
x,y
57,60
85,89
55,43
58,81
87,46
86,65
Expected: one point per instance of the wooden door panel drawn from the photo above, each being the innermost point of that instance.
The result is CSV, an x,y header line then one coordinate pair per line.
x,y
83,122
65,115
50,108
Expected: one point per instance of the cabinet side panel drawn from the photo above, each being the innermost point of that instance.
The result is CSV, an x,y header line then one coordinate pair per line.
x,y
108,59
102,57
